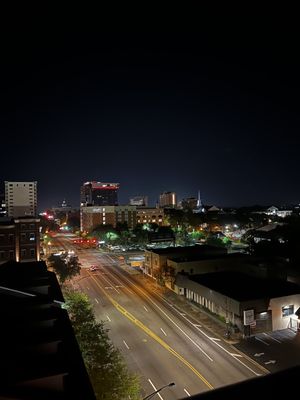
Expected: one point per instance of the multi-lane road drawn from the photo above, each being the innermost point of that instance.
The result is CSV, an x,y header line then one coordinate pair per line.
x,y
160,343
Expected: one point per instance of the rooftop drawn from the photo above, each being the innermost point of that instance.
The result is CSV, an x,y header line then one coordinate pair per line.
x,y
207,256
40,357
248,287
190,250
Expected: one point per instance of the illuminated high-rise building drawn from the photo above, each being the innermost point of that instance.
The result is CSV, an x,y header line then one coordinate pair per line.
x,y
99,194
21,198
168,199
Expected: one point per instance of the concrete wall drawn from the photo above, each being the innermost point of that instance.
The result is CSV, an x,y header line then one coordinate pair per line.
x,y
276,305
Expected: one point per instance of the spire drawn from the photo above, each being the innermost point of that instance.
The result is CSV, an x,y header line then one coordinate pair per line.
x,y
199,208
199,203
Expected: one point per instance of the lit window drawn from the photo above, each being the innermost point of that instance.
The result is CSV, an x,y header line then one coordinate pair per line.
x,y
287,310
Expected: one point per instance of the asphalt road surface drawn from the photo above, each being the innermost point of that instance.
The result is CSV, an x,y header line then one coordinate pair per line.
x,y
159,342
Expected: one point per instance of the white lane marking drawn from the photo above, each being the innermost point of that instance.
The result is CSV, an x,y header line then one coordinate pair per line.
x,y
215,338
126,344
96,301
111,285
228,352
197,325
271,337
236,355
158,394
163,332
118,280
182,313
108,318
216,343
170,319
108,287
146,308
258,354
187,392
119,285
260,340
111,259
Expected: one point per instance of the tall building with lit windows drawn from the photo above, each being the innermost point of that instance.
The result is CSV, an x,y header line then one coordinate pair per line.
x,y
168,199
21,199
99,194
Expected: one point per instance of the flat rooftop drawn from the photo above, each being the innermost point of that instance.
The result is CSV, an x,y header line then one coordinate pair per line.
x,y
197,249
204,256
241,287
40,357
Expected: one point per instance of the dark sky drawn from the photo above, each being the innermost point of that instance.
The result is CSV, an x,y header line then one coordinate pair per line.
x,y
154,112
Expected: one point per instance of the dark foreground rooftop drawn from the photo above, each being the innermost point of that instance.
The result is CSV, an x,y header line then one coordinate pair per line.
x,y
40,357
268,386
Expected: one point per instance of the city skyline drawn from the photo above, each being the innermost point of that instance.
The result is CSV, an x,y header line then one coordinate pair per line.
x,y
169,112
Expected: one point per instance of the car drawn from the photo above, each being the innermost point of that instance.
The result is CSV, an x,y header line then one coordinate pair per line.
x,y
94,268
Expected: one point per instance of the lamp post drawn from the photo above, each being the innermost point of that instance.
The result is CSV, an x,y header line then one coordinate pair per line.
x,y
158,390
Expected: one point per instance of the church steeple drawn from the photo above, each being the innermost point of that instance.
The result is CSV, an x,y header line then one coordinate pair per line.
x,y
199,208
199,203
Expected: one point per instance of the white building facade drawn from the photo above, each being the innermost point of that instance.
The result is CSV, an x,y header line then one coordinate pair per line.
x,y
21,199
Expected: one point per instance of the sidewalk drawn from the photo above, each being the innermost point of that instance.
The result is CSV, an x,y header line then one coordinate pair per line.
x,y
217,327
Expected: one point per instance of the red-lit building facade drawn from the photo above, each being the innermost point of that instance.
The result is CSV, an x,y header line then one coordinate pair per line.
x,y
99,194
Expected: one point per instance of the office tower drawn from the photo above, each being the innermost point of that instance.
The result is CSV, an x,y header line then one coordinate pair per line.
x,y
21,198
99,194
168,199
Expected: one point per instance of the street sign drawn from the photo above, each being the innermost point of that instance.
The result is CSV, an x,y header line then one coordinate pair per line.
x,y
248,317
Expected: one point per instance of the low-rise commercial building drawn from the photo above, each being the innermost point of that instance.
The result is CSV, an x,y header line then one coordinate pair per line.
x,y
252,304
195,264
156,259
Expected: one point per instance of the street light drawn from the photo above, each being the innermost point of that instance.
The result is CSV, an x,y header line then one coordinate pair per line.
x,y
158,390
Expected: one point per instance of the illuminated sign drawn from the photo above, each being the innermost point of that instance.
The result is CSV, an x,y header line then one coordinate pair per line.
x,y
248,317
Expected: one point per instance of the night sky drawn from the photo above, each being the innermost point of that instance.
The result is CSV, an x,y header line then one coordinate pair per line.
x,y
154,112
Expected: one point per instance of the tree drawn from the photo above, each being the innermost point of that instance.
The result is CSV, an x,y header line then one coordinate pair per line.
x,y
48,225
65,266
108,373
